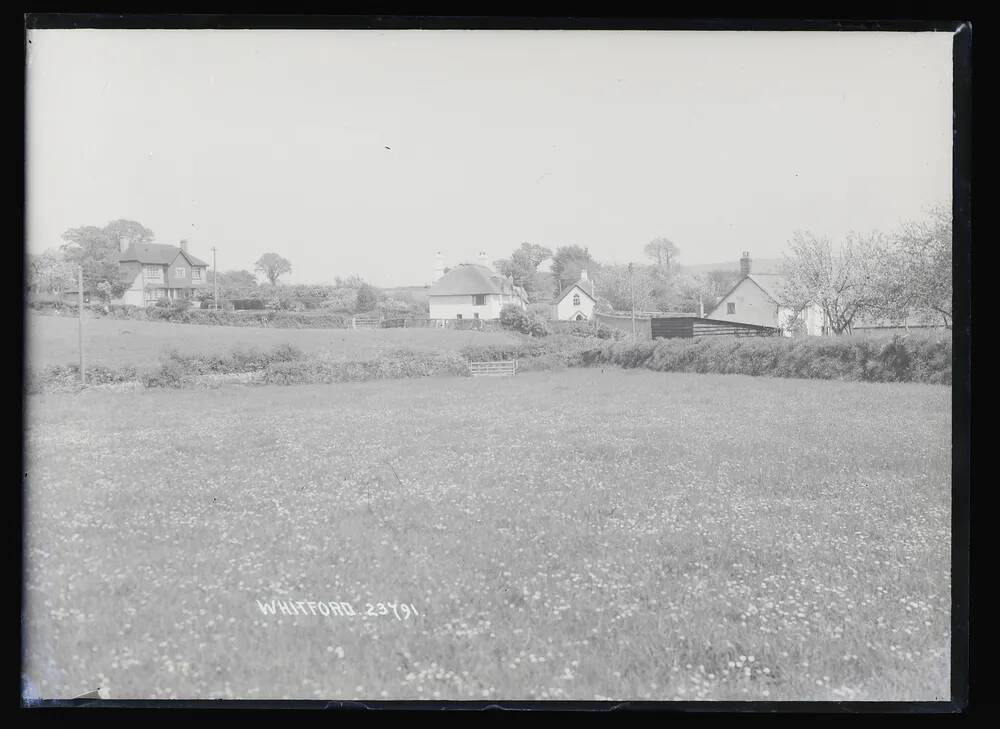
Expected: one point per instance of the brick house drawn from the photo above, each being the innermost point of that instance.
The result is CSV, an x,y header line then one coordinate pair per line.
x,y
156,271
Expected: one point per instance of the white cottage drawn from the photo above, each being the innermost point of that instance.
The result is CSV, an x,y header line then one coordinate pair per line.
x,y
758,298
473,291
576,302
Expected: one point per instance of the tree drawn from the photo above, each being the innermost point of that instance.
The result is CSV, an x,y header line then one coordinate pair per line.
x,y
272,266
233,284
662,252
919,268
366,300
128,232
49,272
568,262
523,264
616,285
96,249
846,282
697,292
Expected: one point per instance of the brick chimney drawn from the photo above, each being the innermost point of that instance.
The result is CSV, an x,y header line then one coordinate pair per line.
x,y
583,275
745,264
438,265
184,246
484,259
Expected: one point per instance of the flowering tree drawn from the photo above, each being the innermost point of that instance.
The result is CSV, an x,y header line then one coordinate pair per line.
x,y
846,282
920,272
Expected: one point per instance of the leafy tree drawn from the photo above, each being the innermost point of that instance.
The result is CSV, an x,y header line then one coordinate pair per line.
x,y
96,249
568,262
697,292
846,281
522,266
233,284
663,252
618,284
49,272
366,300
272,266
128,232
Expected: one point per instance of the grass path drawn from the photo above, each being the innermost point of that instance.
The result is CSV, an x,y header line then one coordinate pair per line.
x,y
571,535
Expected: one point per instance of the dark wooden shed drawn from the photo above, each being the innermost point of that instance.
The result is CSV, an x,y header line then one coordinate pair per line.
x,y
693,326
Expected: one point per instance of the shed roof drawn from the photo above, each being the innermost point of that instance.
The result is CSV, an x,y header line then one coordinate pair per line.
x,y
157,254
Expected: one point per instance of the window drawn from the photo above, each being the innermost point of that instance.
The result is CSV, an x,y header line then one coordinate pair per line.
x,y
476,315
153,272
731,308
458,316
479,300
179,272
576,299
196,274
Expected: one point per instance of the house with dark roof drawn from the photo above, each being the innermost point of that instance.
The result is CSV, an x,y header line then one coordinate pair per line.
x,y
759,298
576,302
473,291
157,271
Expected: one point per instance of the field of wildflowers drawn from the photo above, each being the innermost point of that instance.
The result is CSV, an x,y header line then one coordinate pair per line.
x,y
582,534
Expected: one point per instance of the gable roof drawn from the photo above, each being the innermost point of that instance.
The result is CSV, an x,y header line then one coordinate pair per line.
x,y
771,284
156,254
586,287
471,278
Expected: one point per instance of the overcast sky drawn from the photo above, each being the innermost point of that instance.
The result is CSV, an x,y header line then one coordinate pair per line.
x,y
364,152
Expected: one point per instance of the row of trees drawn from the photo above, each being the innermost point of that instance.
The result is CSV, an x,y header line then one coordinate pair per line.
x,y
875,276
658,285
905,274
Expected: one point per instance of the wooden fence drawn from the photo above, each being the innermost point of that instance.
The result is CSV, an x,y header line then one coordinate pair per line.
x,y
363,323
493,369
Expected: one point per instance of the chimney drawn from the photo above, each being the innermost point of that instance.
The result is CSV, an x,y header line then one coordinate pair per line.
x,y
184,246
583,275
438,265
122,243
483,260
745,264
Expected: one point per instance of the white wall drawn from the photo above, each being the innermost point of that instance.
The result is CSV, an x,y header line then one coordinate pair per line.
x,y
565,311
449,307
753,306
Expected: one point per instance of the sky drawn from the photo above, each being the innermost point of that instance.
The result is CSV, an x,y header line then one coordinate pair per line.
x,y
366,152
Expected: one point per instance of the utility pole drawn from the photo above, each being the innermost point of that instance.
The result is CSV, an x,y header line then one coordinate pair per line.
x,y
215,280
79,293
631,280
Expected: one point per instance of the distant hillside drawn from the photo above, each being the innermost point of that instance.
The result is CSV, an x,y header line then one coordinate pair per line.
x,y
757,265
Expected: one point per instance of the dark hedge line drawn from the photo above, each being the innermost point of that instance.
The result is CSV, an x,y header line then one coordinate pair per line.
x,y
221,317
901,358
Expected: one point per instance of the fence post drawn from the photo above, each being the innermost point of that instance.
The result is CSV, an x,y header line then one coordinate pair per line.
x,y
83,368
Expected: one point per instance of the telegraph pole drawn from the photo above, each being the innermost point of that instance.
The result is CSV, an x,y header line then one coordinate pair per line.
x,y
215,280
79,293
631,280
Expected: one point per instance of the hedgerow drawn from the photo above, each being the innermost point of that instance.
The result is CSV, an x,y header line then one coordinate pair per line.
x,y
901,358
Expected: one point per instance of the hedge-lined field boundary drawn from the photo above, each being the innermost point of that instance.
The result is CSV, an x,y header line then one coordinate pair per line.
x,y
220,317
901,358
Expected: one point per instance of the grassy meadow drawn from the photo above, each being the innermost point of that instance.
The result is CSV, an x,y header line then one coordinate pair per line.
x,y
54,340
585,534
